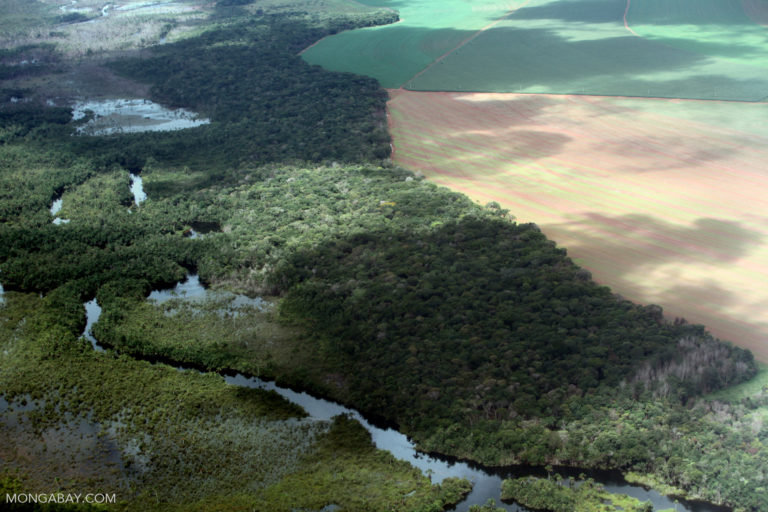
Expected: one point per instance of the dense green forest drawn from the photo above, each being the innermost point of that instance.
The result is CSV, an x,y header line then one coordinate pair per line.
x,y
476,335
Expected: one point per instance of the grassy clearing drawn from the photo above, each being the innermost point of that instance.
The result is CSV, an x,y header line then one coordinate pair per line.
x,y
752,388
666,209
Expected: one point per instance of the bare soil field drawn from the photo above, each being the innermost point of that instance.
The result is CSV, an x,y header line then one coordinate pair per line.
x,y
662,200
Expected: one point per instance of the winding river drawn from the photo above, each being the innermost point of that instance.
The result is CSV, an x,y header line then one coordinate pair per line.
x,y
486,481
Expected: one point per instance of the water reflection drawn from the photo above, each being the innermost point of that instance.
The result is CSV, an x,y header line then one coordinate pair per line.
x,y
132,116
192,289
92,314
55,209
137,188
56,206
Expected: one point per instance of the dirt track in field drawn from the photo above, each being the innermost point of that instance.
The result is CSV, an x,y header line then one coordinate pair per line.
x,y
657,198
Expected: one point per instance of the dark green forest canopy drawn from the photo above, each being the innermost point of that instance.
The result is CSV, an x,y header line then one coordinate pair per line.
x,y
477,335
265,102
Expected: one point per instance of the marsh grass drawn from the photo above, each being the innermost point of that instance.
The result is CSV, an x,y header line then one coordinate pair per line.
x,y
164,439
102,192
20,16
209,332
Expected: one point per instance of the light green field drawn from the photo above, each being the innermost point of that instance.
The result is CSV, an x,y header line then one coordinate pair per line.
x,y
394,53
683,49
752,388
723,29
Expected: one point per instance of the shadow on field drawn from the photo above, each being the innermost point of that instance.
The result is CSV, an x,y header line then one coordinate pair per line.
x,y
640,241
560,47
519,147
575,11
608,11
658,152
629,249
749,330
567,48
544,60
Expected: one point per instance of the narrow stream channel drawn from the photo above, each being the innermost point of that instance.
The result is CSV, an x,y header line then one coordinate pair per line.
x,y
486,480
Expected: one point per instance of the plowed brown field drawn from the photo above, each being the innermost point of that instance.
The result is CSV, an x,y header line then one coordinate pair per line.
x,y
665,201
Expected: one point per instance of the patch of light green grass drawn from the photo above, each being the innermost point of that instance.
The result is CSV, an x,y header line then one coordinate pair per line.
x,y
751,388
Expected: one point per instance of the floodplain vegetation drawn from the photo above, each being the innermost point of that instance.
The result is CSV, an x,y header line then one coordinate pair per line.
x,y
564,496
477,335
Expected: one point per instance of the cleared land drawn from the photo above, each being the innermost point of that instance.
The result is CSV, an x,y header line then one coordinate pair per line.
x,y
662,200
679,49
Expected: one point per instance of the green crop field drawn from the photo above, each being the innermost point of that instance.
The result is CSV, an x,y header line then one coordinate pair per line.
x,y
393,54
723,29
683,49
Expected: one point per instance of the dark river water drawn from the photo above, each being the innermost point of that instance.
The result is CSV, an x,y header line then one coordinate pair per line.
x,y
486,480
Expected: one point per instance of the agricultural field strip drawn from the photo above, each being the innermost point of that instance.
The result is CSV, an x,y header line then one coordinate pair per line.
x,y
394,53
551,49
465,41
704,27
436,154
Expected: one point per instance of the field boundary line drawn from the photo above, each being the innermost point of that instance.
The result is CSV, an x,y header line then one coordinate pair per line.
x,y
583,95
464,42
626,23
